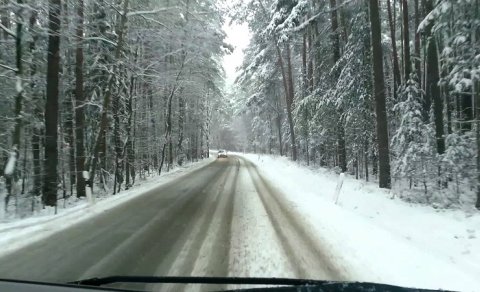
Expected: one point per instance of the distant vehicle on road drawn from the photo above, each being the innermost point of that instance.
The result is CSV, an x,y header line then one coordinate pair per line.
x,y
222,154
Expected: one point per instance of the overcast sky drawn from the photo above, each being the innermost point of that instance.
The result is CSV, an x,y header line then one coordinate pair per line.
x,y
238,36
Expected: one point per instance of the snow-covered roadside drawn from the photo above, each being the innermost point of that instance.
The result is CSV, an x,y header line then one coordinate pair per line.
x,y
381,239
19,233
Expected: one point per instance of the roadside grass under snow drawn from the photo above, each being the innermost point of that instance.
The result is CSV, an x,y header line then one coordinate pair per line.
x,y
381,238
17,232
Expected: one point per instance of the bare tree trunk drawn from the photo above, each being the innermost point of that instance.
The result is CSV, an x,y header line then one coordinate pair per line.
x,y
396,68
11,178
130,156
168,120
342,153
37,114
291,95
304,64
51,105
79,104
477,130
432,87
286,82
117,143
365,155
278,120
68,109
306,91
406,41
476,99
310,61
19,84
181,128
417,44
379,93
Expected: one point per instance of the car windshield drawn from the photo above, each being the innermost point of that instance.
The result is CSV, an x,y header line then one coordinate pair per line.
x,y
311,140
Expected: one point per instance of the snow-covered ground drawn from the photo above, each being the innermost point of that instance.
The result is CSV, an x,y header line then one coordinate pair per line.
x,y
379,237
15,234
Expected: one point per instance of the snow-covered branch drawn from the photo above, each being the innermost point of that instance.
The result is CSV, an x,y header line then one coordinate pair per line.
x,y
8,31
134,13
155,21
8,68
100,39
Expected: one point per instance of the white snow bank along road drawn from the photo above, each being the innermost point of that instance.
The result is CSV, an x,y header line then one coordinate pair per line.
x,y
379,238
21,232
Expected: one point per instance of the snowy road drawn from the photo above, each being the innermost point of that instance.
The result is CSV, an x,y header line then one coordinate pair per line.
x,y
220,220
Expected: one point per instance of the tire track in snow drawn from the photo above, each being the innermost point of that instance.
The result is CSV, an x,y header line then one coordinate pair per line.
x,y
154,243
305,255
255,250
214,253
191,251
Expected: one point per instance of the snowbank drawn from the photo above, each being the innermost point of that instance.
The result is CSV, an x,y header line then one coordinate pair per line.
x,y
381,238
21,232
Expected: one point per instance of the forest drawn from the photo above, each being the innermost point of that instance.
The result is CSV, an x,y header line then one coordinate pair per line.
x,y
387,91
99,93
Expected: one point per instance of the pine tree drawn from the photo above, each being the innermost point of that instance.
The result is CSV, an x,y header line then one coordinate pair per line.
x,y
411,143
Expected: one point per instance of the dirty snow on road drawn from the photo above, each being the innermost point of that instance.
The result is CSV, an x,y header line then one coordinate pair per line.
x,y
378,237
255,249
262,216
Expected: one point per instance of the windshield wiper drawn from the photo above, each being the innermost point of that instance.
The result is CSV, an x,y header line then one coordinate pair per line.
x,y
318,285
199,280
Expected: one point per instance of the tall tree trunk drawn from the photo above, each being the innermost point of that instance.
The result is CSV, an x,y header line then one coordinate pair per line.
x,y
406,41
129,166
130,155
278,120
168,120
334,35
379,93
304,65
396,68
117,141
37,113
310,60
291,95
181,128
418,69
69,109
305,113
11,178
16,140
285,79
51,105
342,153
432,86
475,88
476,98
79,104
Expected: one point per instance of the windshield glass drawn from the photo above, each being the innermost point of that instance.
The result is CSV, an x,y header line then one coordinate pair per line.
x,y
326,140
